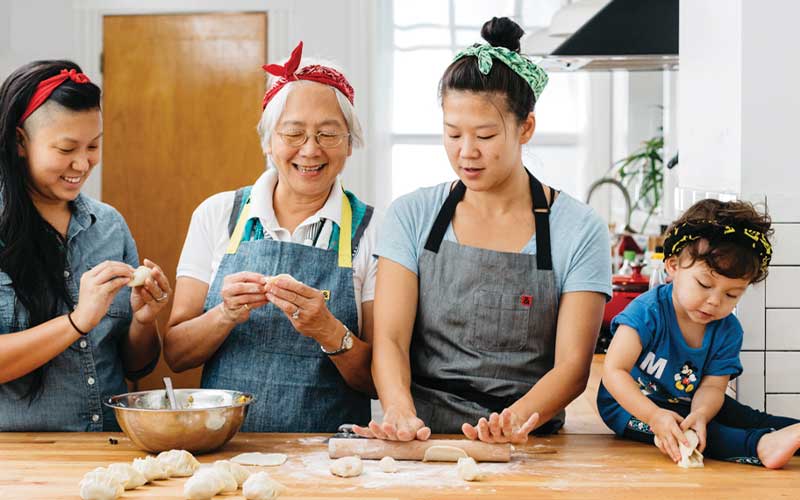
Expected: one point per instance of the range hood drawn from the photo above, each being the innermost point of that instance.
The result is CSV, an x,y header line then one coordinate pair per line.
x,y
634,35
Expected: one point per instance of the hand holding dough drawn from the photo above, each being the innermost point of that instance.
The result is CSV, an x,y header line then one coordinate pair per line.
x,y
690,457
139,276
347,467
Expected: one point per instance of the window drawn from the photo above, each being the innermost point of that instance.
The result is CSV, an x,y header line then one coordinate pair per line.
x,y
426,35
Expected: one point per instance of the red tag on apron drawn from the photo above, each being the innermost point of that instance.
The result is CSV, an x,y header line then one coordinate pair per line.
x,y
526,300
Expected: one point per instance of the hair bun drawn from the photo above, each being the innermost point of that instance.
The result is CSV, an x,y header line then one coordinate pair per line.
x,y
502,32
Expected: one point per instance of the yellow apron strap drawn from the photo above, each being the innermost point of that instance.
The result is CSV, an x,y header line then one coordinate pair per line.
x,y
236,237
345,236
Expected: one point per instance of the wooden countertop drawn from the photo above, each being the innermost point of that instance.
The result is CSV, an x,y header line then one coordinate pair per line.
x,y
49,465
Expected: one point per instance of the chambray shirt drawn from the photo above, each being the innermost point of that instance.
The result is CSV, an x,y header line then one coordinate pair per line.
x,y
78,380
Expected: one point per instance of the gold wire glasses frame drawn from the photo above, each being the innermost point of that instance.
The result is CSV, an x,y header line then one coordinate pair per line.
x,y
325,140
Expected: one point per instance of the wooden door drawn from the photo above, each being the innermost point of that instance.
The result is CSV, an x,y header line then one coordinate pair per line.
x,y
181,100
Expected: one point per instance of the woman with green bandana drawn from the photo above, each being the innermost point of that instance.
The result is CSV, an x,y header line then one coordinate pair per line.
x,y
490,289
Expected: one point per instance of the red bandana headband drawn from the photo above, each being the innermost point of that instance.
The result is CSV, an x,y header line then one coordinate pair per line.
x,y
47,86
313,73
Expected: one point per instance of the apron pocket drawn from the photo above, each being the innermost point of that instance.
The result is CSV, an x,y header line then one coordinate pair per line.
x,y
501,321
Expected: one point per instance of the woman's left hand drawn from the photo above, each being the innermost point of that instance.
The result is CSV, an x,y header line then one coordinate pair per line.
x,y
506,427
303,305
149,299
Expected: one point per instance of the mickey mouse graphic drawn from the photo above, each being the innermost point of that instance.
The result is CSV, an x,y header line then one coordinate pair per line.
x,y
685,380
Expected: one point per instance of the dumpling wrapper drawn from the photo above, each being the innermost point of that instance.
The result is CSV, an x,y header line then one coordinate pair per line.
x,y
262,459
139,276
690,457
443,454
347,467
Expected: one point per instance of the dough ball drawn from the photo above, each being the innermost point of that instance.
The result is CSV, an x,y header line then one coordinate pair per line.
x,y
388,465
139,276
260,486
99,484
204,484
467,469
151,469
347,467
178,463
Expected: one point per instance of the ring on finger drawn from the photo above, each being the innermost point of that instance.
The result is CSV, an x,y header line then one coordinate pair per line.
x,y
163,297
296,313
247,307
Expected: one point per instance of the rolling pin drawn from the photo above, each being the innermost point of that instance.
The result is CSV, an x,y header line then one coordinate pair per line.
x,y
415,450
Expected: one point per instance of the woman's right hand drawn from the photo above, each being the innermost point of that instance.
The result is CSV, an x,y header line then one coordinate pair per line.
x,y
241,293
665,426
398,425
98,287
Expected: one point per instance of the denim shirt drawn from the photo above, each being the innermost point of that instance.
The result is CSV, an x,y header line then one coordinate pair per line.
x,y
78,380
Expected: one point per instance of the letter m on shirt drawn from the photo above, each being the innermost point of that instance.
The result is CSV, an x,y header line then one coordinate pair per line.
x,y
651,366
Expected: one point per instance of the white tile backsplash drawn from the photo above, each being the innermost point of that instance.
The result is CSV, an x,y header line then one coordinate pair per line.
x,y
786,245
784,405
783,329
750,384
750,313
782,285
783,371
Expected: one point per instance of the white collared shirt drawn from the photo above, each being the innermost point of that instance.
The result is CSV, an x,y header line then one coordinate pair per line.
x,y
207,238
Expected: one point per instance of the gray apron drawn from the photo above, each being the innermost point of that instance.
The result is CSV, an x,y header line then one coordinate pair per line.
x,y
486,323
296,387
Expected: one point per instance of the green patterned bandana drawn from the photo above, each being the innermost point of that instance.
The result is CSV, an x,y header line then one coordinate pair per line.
x,y
529,71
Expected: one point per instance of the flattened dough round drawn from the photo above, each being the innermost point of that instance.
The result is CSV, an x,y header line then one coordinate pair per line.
x,y
443,454
263,459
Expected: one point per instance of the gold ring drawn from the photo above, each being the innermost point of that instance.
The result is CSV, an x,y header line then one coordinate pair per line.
x,y
296,314
162,298
246,306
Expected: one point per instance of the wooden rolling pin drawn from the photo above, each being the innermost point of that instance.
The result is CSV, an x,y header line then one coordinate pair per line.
x,y
415,450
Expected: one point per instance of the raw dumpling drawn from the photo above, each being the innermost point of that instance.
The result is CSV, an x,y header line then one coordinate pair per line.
x,y
347,467
140,274
260,486
204,484
229,482
127,475
388,465
237,471
99,484
263,459
150,468
690,457
178,463
443,454
467,469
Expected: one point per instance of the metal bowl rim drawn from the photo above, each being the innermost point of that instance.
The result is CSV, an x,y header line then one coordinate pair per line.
x,y
108,402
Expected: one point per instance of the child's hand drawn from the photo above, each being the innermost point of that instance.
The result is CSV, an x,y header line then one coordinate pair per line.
x,y
698,422
664,425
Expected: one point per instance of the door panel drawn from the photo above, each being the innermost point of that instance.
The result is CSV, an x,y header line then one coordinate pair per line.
x,y
181,100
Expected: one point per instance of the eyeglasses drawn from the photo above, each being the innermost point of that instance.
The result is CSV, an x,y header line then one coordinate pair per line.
x,y
326,140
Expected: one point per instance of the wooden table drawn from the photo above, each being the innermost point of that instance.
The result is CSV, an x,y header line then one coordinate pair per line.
x,y
49,466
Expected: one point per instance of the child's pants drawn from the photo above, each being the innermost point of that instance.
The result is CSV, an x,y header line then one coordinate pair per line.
x,y
732,435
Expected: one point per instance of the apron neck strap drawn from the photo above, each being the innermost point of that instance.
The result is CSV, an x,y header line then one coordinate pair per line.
x,y
345,232
541,213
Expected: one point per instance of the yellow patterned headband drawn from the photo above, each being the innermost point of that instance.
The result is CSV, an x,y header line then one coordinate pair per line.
x,y
681,236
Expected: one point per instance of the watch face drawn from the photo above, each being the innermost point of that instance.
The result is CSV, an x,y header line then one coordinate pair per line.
x,y
347,342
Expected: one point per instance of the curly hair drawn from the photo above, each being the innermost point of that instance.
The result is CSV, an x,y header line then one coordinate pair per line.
x,y
729,258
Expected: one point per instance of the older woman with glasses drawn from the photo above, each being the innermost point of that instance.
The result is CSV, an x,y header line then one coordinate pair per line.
x,y
276,281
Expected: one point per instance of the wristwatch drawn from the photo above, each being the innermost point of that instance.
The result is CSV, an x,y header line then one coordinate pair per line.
x,y
346,345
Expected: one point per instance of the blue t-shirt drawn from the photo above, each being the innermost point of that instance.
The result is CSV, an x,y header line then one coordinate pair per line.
x,y
667,368
579,241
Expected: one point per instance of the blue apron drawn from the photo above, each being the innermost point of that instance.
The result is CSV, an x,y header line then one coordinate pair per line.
x,y
296,387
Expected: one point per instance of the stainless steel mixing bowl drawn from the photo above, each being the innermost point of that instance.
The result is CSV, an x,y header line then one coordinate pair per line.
x,y
206,418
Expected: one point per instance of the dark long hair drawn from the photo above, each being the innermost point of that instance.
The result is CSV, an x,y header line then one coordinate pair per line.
x,y
463,74
32,252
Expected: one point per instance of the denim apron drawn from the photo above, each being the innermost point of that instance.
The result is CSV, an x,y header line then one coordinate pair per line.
x,y
296,387
486,323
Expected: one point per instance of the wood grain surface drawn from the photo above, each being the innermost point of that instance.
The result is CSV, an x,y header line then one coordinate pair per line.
x,y
36,466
